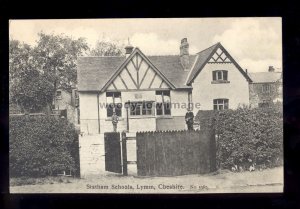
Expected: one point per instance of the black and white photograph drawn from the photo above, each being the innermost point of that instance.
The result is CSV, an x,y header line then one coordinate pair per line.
x,y
146,105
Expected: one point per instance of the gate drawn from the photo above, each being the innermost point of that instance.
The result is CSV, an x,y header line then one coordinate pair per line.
x,y
112,148
163,153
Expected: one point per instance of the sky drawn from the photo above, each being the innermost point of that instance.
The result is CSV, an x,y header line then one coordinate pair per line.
x,y
255,43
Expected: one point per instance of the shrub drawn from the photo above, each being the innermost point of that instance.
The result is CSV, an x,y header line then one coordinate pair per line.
x,y
41,146
246,136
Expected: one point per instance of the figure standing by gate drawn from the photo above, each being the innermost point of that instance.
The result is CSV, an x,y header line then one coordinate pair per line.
x,y
189,119
115,120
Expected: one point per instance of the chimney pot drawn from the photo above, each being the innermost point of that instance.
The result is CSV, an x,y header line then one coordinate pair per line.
x,y
128,50
184,53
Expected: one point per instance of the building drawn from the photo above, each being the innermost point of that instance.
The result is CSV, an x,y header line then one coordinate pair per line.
x,y
153,92
66,104
265,88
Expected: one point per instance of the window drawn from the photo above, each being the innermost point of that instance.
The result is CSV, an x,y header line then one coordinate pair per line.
x,y
163,103
113,101
141,108
265,103
220,75
221,104
266,88
58,94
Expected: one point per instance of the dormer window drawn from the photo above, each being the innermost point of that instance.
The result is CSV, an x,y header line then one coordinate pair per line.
x,y
220,76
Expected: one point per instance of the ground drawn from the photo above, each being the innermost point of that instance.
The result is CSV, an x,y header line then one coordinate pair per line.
x,y
269,180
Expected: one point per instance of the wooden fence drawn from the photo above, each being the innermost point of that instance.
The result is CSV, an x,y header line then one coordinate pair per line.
x,y
173,153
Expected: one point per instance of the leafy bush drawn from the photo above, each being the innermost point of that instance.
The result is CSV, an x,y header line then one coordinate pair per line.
x,y
246,136
41,146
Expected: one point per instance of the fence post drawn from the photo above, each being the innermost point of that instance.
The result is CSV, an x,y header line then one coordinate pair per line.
x,y
124,153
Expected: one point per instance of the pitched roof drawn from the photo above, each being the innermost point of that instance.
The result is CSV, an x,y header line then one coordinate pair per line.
x,y
171,67
265,77
94,72
203,58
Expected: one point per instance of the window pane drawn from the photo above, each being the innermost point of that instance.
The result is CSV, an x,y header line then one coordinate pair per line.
x,y
109,110
109,94
226,104
132,108
158,98
109,100
166,93
149,108
167,107
167,99
214,75
219,75
225,73
117,94
215,107
158,92
118,109
138,109
220,107
159,109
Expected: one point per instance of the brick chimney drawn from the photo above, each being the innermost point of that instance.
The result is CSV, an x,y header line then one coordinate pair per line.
x,y
271,69
128,50
184,53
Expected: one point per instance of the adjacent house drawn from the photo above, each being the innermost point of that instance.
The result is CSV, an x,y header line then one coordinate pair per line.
x,y
266,88
153,92
66,104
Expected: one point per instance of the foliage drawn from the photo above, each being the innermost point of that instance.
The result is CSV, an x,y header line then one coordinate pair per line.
x,y
41,146
36,72
105,48
27,87
56,56
246,136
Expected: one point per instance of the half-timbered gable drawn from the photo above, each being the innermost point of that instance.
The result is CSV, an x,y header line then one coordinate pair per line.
x,y
137,73
218,81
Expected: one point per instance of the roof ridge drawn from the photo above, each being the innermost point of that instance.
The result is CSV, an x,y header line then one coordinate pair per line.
x,y
98,56
209,47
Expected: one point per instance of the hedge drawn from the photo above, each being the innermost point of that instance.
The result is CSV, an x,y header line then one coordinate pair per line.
x,y
42,146
246,136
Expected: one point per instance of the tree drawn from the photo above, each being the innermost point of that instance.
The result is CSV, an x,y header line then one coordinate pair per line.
x,y
106,48
35,73
27,87
57,55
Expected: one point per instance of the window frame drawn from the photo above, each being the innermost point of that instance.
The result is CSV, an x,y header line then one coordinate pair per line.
x,y
117,106
266,88
163,104
220,76
143,110
221,102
